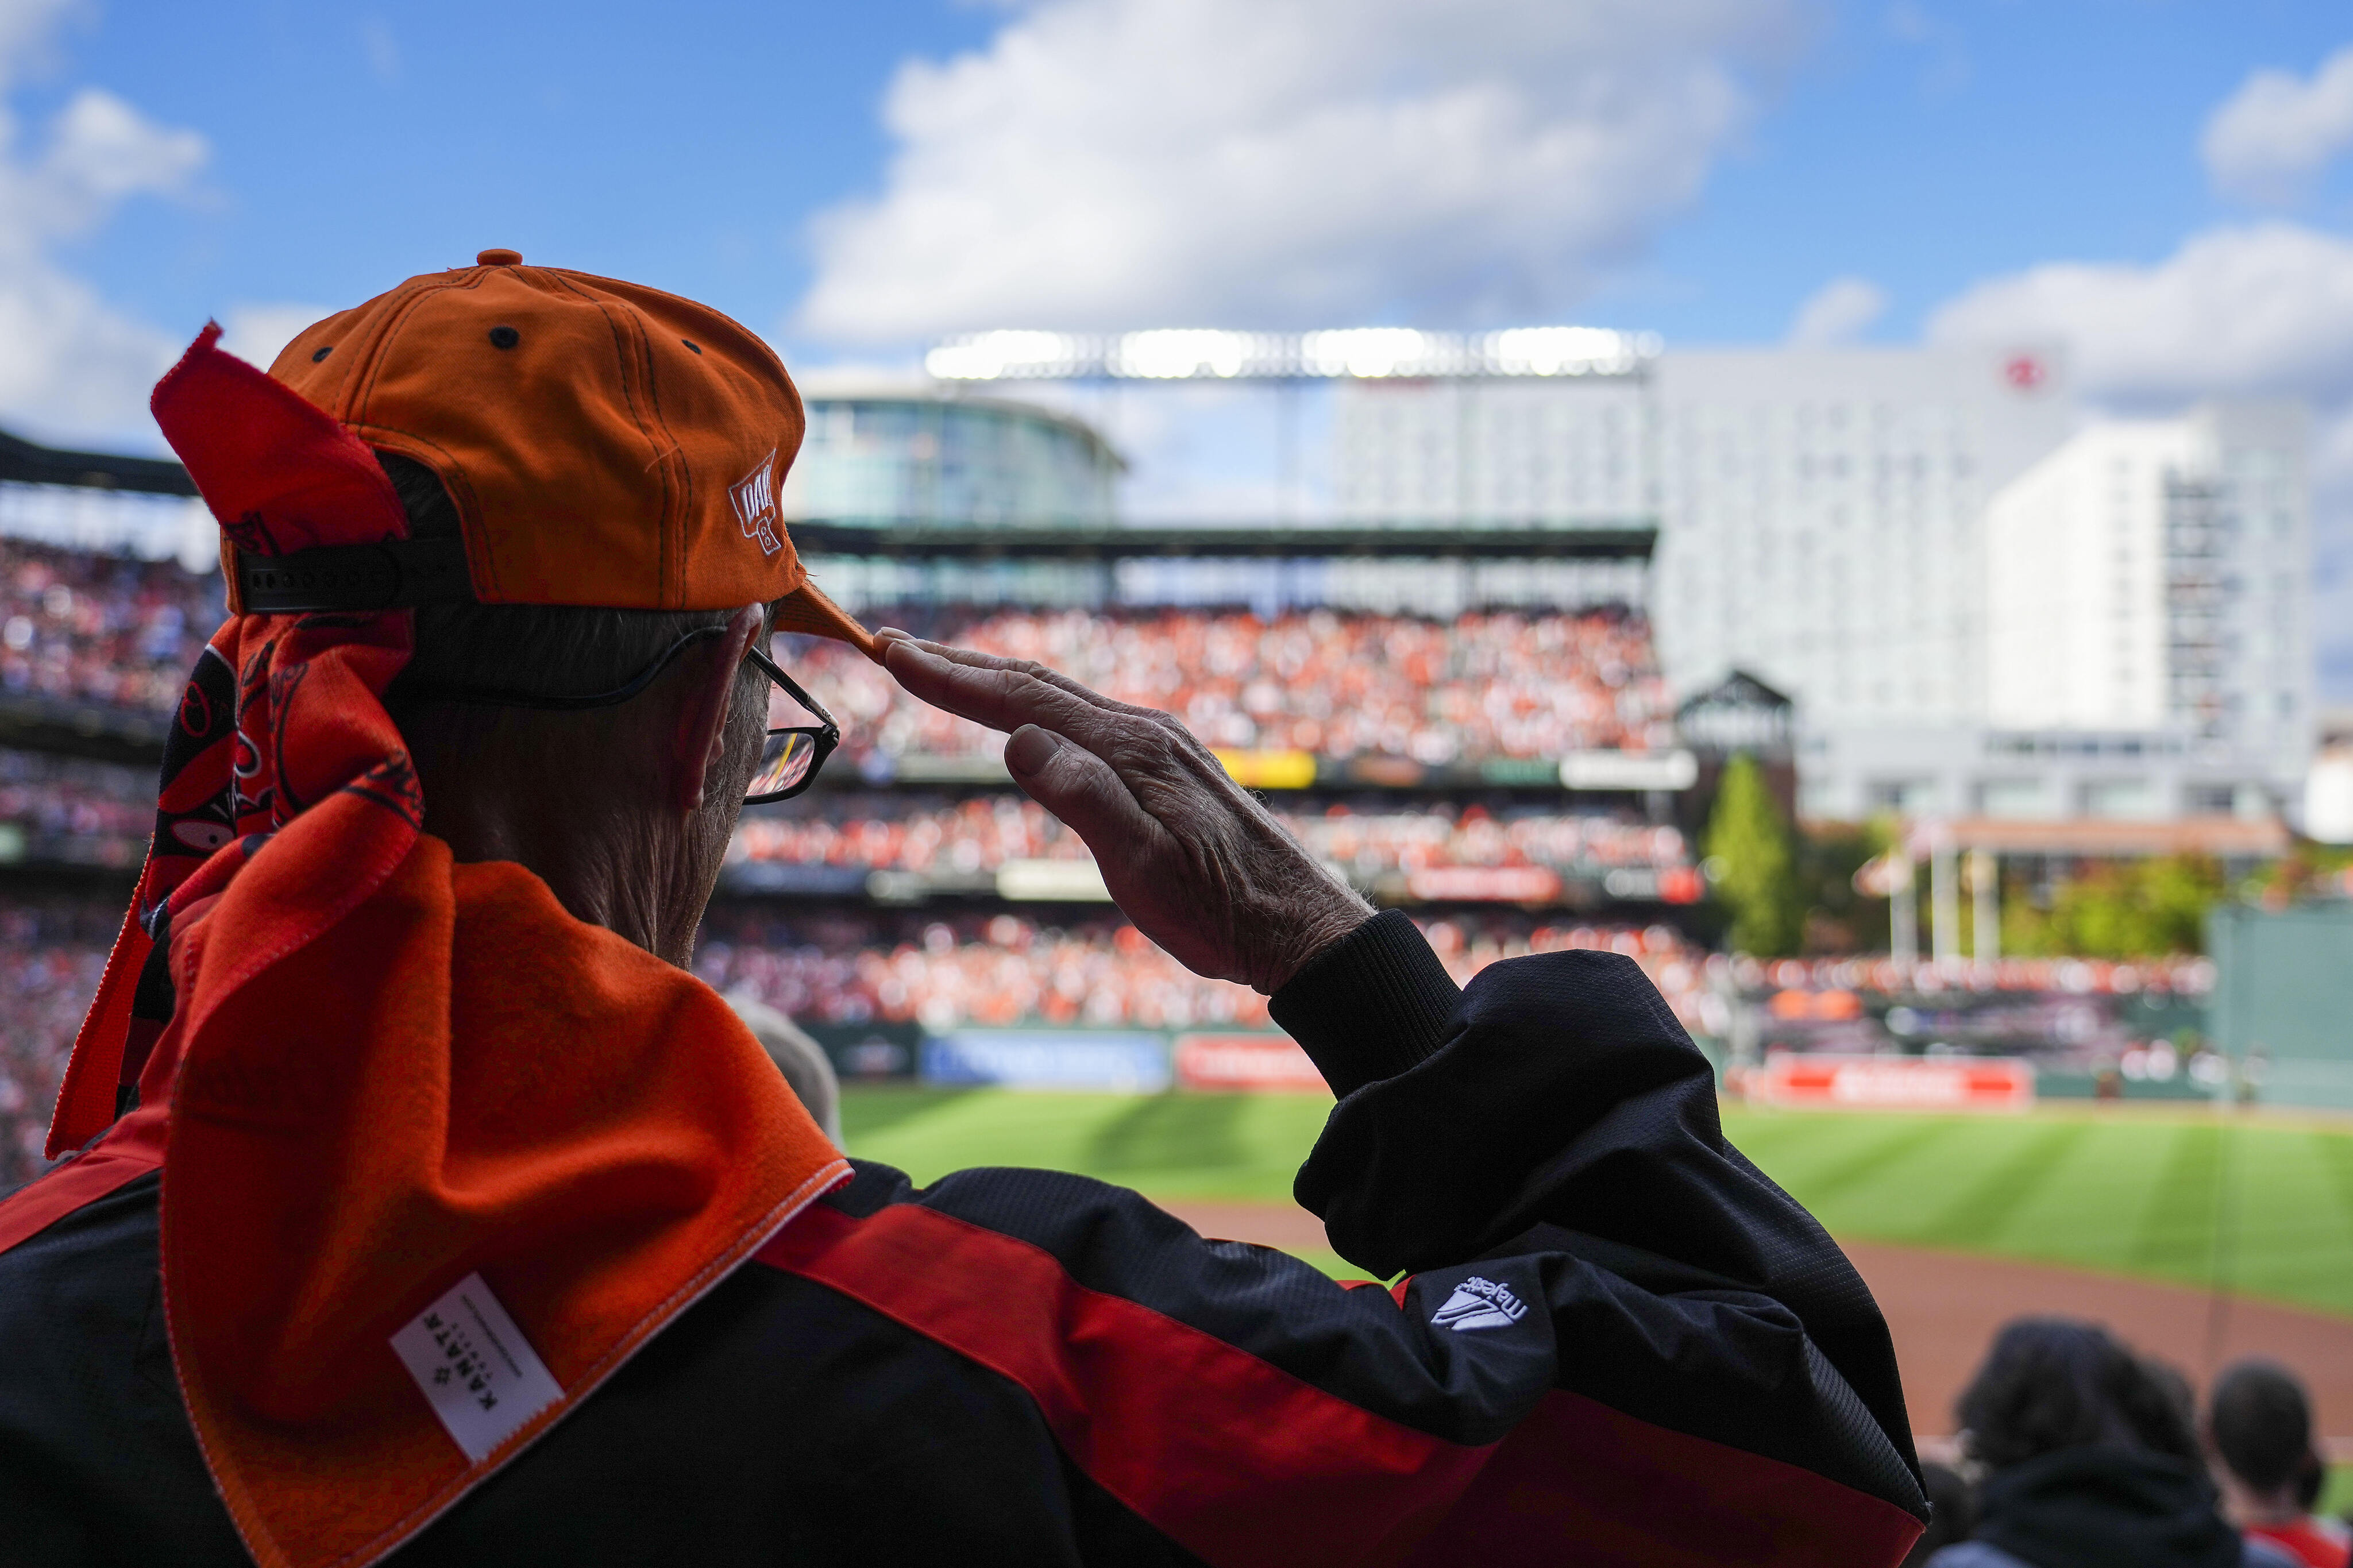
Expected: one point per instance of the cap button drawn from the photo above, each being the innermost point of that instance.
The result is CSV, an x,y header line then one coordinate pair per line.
x,y
498,258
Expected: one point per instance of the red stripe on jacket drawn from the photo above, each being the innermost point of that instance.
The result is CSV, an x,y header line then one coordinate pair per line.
x,y
1244,1464
1658,1497
132,1147
1240,1462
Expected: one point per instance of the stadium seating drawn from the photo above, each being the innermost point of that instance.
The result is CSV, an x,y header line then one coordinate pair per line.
x,y
983,834
1506,684
101,629
51,955
1003,969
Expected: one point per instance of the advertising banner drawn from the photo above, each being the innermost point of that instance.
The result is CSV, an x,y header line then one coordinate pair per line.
x,y
1892,1083
1124,1061
870,1051
1265,1062
1269,770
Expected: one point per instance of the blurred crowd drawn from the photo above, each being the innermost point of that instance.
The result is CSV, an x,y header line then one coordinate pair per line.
x,y
51,955
1002,968
101,629
57,797
2178,975
1488,684
2078,1452
896,834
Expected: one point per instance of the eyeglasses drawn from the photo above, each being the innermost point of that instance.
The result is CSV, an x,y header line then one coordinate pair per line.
x,y
789,758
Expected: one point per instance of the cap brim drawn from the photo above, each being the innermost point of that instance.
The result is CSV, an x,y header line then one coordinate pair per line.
x,y
806,610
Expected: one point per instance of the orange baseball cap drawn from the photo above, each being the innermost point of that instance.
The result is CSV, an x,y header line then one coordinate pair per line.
x,y
606,444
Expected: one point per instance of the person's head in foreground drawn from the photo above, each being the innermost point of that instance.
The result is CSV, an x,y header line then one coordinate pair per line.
x,y
2259,1428
422,1206
2091,1458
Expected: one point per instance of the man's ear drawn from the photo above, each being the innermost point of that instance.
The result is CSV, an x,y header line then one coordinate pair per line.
x,y
700,736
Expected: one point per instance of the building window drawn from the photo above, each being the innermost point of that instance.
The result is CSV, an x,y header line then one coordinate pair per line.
x,y
2207,799
2013,798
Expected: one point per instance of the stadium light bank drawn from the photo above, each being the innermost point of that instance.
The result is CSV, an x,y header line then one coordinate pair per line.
x,y
1193,353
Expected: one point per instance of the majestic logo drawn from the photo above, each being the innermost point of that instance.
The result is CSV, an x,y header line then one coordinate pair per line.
x,y
754,496
1480,1304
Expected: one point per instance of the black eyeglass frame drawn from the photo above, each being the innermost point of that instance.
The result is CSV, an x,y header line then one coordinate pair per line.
x,y
825,737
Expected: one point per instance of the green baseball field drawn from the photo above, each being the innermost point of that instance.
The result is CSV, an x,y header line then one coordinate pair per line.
x,y
2262,1205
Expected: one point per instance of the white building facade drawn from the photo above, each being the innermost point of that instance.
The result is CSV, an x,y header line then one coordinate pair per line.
x,y
1819,513
2148,579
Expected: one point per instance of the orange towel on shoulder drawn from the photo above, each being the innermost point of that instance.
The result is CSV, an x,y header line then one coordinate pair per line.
x,y
385,1071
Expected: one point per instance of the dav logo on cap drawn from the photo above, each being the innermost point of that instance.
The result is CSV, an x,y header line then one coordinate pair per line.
x,y
754,496
1480,1304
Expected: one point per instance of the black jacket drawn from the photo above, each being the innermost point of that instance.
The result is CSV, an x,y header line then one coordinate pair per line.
x,y
2105,1507
1617,1342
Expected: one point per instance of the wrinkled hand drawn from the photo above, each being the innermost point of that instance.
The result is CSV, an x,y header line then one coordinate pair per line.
x,y
1190,855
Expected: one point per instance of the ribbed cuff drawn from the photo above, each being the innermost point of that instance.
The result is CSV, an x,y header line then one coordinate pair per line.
x,y
1371,1006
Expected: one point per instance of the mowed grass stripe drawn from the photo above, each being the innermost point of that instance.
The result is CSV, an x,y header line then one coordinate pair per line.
x,y
1978,1216
1890,1146
2335,1151
2176,1231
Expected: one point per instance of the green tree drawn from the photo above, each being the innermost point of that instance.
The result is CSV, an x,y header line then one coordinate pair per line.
x,y
2121,909
1754,863
1836,918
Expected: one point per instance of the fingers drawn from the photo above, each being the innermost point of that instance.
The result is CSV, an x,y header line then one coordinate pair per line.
x,y
1083,791
1003,693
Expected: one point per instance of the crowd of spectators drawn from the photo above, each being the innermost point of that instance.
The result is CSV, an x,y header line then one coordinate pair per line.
x,y
1505,683
2178,974
981,834
51,954
101,629
2075,1447
1003,969
92,811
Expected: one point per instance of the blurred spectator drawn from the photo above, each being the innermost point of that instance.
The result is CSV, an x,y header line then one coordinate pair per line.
x,y
2091,1457
1501,684
801,1059
1952,1512
983,833
101,629
2259,1426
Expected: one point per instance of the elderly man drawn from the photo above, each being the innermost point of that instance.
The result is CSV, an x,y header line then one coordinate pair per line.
x,y
423,1207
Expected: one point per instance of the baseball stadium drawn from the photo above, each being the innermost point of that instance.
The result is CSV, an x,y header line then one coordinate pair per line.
x,y
1208,784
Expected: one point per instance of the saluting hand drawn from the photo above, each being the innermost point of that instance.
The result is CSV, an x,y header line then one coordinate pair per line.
x,y
1190,856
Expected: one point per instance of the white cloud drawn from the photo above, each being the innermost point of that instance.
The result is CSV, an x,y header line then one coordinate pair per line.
x,y
1290,162
2260,310
1840,311
71,364
256,333
2272,139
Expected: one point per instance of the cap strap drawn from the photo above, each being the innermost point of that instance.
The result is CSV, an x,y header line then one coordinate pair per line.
x,y
394,575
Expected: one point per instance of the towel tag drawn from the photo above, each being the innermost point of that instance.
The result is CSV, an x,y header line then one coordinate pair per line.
x,y
478,1371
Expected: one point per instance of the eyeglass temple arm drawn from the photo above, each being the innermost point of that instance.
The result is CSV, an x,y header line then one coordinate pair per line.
x,y
769,668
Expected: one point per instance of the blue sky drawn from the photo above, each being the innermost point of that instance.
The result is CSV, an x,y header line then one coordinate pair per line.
x,y
1923,146
2166,185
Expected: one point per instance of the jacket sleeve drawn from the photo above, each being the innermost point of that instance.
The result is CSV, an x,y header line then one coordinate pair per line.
x,y
1619,1343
